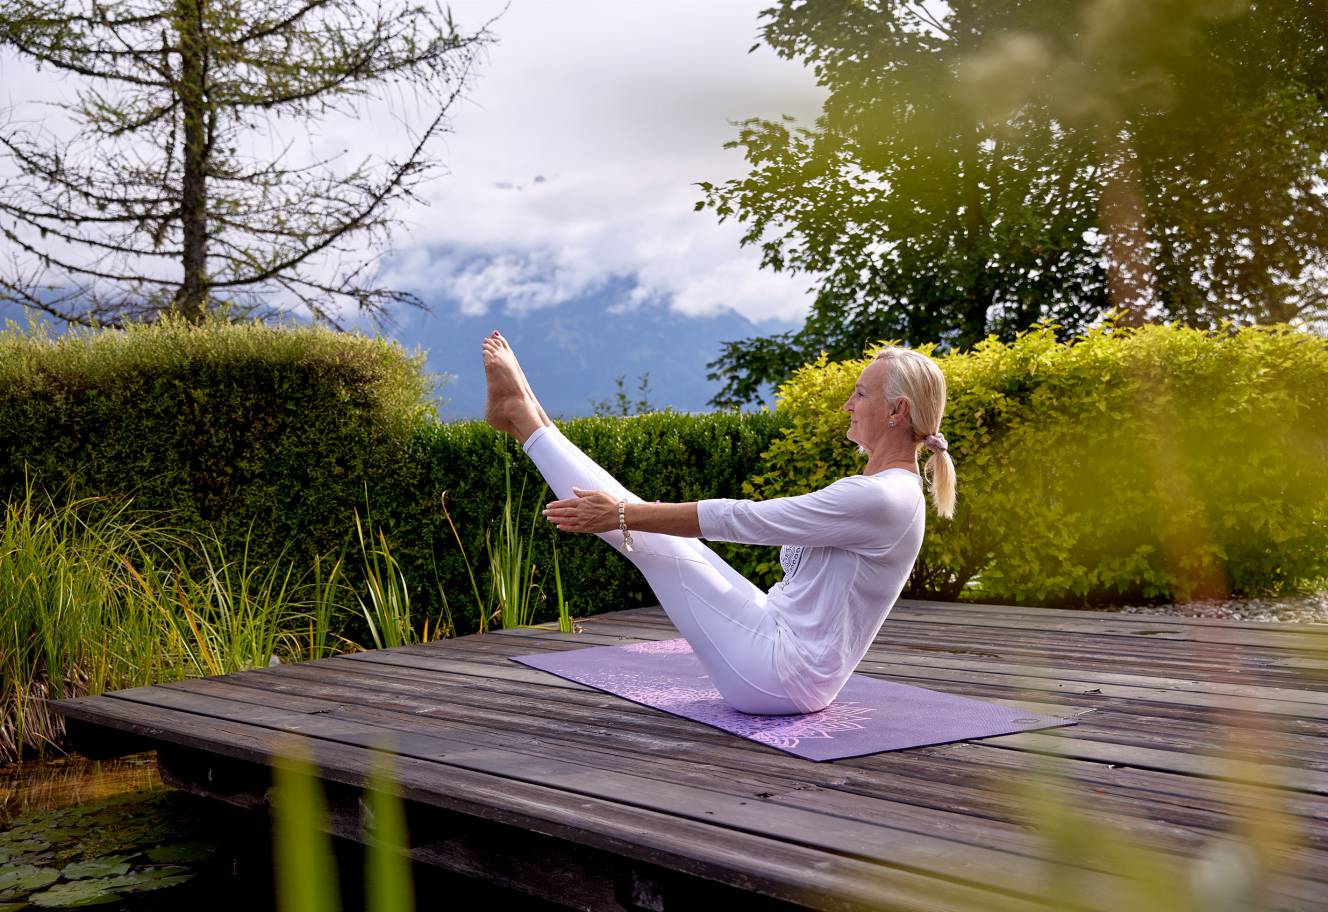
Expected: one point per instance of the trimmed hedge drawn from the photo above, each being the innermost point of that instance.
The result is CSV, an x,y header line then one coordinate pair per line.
x,y
657,456
1150,464
228,426
1159,463
275,436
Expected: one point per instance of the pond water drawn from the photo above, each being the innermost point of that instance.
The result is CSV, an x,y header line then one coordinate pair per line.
x,y
76,833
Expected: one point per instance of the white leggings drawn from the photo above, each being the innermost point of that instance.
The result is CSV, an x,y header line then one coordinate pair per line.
x,y
722,615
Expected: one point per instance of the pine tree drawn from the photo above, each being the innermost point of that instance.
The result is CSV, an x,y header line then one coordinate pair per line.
x,y
153,208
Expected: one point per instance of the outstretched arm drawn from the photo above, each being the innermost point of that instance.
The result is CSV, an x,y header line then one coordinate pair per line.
x,y
596,511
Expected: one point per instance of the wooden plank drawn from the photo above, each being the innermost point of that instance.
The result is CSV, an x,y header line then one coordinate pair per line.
x,y
658,732
1308,781
1189,741
1068,620
915,844
1239,663
787,871
601,721
1164,689
1147,729
790,792
923,605
1190,829
849,834
1148,754
504,670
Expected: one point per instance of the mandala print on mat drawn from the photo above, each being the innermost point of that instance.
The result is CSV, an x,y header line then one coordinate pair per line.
x,y
660,647
705,704
787,731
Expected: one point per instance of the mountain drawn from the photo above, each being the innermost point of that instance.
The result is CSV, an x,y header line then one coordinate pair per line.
x,y
573,352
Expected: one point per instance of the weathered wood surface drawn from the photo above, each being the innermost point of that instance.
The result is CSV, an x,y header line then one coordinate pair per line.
x,y
1188,730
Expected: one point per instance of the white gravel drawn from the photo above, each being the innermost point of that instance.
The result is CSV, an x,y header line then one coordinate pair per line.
x,y
1295,609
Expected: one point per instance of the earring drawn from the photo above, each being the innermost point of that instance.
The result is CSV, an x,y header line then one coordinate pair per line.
x,y
892,422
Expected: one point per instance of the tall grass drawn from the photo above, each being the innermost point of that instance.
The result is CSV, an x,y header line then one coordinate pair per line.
x,y
305,861
94,597
72,619
387,608
97,597
564,609
512,559
236,611
512,595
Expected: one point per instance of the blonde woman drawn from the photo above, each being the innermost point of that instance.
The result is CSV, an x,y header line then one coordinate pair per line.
x,y
848,548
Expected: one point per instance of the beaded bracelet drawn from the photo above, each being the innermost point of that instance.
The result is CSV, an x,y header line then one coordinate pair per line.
x,y
622,525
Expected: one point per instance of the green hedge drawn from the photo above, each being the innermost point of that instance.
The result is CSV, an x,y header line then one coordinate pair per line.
x,y
1161,463
661,456
275,436
230,426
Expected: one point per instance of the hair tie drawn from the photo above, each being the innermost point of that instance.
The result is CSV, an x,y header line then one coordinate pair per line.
x,y
936,442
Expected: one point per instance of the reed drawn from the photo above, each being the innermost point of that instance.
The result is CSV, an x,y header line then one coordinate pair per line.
x,y
513,589
387,609
302,852
513,595
235,613
564,609
66,626
94,597
316,625
481,605
306,865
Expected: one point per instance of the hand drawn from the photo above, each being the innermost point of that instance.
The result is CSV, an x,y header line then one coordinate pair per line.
x,y
588,511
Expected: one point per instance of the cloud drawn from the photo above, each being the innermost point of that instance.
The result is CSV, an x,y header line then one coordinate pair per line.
x,y
604,116
572,160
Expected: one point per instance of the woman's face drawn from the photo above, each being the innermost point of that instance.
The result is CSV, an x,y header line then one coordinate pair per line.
x,y
869,412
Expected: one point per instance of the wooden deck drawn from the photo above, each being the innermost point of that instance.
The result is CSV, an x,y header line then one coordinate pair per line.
x,y
524,779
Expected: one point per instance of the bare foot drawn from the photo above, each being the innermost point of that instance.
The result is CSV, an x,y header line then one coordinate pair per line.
x,y
544,417
508,406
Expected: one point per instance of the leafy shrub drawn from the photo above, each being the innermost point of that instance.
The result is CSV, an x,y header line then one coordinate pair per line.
x,y
270,438
1148,464
224,427
659,456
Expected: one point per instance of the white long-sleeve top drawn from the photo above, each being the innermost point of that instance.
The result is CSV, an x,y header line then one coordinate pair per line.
x,y
848,550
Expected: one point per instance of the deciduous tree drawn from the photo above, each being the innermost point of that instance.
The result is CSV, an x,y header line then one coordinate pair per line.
x,y
984,165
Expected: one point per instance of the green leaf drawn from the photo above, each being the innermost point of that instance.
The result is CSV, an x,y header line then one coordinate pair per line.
x,y
23,878
74,894
97,867
145,879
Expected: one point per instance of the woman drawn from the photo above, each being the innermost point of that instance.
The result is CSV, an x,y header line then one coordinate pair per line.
x,y
849,547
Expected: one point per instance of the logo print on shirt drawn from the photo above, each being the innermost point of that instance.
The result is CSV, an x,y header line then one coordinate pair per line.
x,y
790,556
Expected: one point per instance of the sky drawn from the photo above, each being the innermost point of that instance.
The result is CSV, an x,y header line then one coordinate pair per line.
x,y
572,161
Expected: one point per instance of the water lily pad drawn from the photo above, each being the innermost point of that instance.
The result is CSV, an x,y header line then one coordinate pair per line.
x,y
184,852
23,878
73,895
107,866
146,879
12,907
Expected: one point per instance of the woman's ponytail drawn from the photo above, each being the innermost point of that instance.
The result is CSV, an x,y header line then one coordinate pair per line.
x,y
940,474
917,378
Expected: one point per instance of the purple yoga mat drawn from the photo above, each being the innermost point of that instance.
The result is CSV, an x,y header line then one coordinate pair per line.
x,y
869,715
